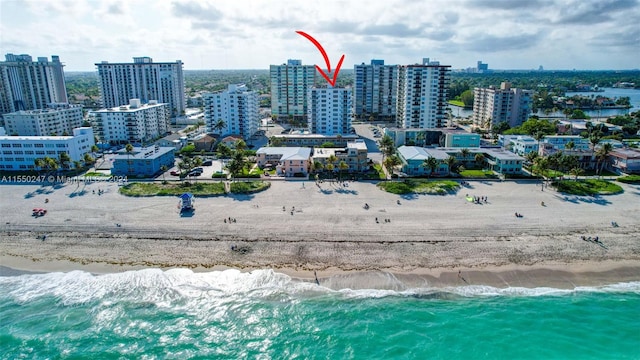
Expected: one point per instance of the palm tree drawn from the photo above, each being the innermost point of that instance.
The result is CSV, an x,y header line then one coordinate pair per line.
x,y
219,125
602,154
88,159
77,164
240,145
391,162
164,169
65,159
451,161
431,163
421,138
531,156
129,149
570,145
479,158
329,167
541,167
576,171
331,160
39,163
464,153
317,166
387,146
342,166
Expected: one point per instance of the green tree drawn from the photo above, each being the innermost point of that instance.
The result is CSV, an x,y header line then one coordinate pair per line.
x,y
39,163
430,163
219,125
164,169
387,146
223,151
464,154
500,127
479,158
541,167
275,141
128,149
391,162
576,171
65,160
602,154
88,159
467,98
342,166
451,162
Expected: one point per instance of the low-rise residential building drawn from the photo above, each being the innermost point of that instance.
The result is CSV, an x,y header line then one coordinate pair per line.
x,y
288,161
625,160
354,156
522,145
133,123
20,152
413,136
413,161
143,161
561,141
503,161
56,119
586,157
313,140
175,140
204,142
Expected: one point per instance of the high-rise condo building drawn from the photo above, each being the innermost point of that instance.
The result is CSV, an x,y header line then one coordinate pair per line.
x,y
375,91
56,119
234,111
329,110
422,95
133,123
289,85
492,105
30,85
145,80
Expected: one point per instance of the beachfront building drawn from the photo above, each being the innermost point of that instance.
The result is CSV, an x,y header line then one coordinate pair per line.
x,y
290,83
560,141
413,161
522,144
288,161
133,123
19,153
145,80
55,119
375,91
143,161
625,161
312,140
413,137
492,106
329,110
30,85
422,95
499,160
354,155
233,111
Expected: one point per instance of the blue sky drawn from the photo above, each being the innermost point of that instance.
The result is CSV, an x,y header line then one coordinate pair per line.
x,y
252,34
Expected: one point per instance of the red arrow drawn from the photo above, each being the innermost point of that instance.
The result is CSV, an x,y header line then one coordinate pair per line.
x,y
326,60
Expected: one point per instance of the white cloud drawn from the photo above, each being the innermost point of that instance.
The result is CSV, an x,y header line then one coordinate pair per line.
x,y
256,33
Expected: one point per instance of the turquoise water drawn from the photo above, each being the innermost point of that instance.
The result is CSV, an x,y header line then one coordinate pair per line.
x,y
178,314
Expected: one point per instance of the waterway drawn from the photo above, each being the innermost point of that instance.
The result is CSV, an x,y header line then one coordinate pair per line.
x,y
614,93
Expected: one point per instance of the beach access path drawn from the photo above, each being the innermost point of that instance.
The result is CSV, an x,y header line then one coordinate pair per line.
x,y
322,227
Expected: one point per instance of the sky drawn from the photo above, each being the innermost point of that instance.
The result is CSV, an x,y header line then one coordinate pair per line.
x,y
253,34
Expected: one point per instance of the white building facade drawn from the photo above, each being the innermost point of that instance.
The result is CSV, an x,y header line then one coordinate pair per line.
x,y
133,123
145,80
56,119
237,107
18,153
492,106
30,85
329,111
375,91
422,95
289,85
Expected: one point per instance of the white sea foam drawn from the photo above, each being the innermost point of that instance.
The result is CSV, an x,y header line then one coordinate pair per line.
x,y
163,288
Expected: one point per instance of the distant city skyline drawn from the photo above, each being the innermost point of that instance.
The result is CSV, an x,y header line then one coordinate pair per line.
x,y
253,34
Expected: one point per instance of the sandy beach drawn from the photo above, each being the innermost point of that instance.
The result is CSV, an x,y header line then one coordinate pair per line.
x,y
425,239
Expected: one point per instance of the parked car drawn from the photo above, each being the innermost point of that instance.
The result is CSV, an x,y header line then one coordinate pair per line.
x,y
175,173
198,169
194,173
207,163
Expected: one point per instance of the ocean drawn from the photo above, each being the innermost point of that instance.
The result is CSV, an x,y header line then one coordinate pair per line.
x,y
179,314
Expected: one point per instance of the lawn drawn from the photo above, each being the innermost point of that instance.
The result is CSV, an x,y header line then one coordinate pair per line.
x,y
587,187
249,187
478,174
172,189
419,186
457,103
629,179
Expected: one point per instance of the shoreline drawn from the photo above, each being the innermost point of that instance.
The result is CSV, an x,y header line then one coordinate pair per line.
x,y
426,240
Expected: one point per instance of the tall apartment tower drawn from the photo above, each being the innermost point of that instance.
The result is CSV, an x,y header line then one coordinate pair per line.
x,y
376,90
145,80
329,111
237,107
289,85
491,106
422,95
30,85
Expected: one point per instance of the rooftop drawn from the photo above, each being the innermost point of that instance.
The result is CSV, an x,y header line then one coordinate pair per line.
x,y
420,153
287,153
139,153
